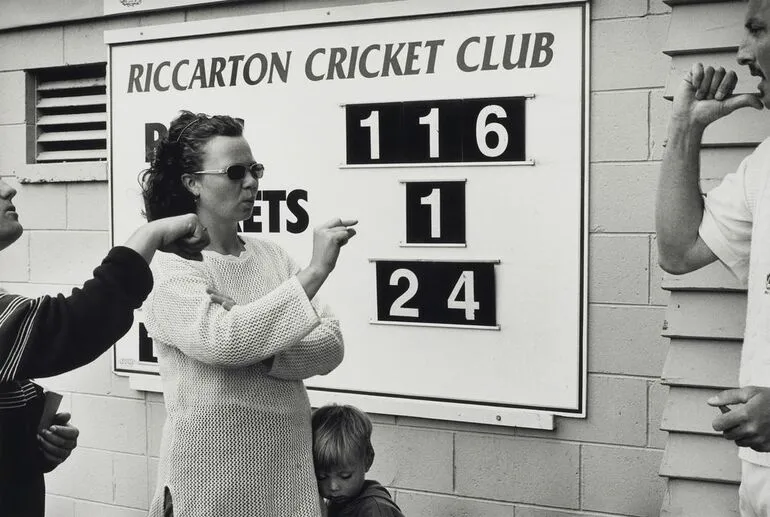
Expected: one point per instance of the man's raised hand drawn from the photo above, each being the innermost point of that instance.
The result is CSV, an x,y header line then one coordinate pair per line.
x,y
705,95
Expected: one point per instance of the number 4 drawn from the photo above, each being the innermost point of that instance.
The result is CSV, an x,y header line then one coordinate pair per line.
x,y
469,304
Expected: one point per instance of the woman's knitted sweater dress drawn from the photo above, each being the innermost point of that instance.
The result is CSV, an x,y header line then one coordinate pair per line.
x,y
237,438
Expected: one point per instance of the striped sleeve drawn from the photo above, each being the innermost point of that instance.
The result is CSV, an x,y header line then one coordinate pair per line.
x,y
17,317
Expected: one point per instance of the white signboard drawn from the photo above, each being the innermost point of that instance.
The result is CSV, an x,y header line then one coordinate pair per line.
x,y
459,142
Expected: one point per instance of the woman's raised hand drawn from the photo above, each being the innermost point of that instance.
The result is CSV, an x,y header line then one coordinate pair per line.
x,y
327,241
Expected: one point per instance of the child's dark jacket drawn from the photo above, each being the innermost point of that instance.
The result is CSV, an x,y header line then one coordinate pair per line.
x,y
373,501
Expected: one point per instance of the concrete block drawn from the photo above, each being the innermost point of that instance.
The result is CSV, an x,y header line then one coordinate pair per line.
x,y
618,268
13,110
622,197
20,13
317,4
42,207
439,505
604,9
87,474
660,114
66,257
620,480
619,126
626,340
162,18
156,417
131,481
419,459
87,206
84,42
152,478
14,260
657,396
234,10
14,138
617,413
31,48
517,470
628,53
658,295
88,509
56,506
111,423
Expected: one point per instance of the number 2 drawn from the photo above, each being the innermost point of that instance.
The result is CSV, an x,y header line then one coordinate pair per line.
x,y
398,309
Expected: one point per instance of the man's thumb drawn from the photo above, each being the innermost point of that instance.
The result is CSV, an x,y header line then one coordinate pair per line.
x,y
745,100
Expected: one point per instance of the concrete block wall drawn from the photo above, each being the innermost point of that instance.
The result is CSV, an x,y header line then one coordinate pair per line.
x,y
605,465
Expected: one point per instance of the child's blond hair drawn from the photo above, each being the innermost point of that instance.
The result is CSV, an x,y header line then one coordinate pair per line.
x,y
341,437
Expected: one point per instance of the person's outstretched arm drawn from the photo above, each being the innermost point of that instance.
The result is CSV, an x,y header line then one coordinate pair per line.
x,y
703,96
41,337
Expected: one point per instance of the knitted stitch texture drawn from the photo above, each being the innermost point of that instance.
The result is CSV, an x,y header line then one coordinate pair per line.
x,y
237,439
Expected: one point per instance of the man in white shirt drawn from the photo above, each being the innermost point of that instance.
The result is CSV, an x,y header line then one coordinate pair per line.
x,y
732,225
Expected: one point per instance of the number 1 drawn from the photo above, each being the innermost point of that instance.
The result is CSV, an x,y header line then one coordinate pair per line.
x,y
434,201
373,123
431,120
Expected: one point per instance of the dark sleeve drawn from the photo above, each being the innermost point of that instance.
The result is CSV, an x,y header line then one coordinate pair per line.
x,y
47,336
375,507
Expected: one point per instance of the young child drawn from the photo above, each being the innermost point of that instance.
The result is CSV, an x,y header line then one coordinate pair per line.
x,y
343,453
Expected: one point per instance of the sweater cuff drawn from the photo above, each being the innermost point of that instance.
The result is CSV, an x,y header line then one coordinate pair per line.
x,y
307,306
131,271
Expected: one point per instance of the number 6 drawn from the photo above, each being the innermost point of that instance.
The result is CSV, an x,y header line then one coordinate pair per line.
x,y
483,129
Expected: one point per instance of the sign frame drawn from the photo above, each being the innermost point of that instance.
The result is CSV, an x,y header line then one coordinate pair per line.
x,y
423,407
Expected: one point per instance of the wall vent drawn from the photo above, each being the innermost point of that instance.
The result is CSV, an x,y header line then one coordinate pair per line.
x,y
71,114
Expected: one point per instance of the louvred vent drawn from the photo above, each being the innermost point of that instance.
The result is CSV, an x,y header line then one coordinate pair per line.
x,y
71,114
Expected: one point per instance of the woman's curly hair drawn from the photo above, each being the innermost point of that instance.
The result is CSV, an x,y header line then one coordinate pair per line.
x,y
177,153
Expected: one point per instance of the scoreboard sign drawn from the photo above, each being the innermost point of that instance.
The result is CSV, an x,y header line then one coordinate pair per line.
x,y
455,134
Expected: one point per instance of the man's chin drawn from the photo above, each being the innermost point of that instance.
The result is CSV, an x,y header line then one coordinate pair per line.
x,y
10,235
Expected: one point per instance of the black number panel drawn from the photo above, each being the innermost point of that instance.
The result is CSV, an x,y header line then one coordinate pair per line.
x,y
436,293
435,212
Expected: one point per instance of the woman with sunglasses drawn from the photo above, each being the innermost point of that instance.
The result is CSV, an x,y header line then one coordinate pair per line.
x,y
235,336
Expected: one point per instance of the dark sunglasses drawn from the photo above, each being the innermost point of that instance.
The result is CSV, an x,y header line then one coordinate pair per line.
x,y
238,171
